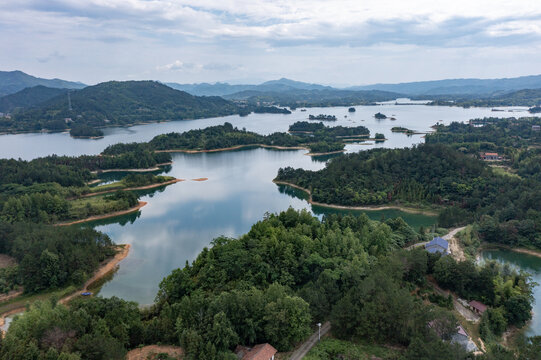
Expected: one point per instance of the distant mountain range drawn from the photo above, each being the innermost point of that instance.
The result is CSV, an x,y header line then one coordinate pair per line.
x,y
221,89
525,97
459,86
471,87
14,81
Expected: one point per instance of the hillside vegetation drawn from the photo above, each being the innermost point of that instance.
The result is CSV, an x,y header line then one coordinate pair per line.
x,y
118,103
28,97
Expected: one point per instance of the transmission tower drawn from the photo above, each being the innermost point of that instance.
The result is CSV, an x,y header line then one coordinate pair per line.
x,y
69,101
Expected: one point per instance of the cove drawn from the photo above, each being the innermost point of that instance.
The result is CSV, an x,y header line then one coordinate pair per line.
x,y
181,219
530,264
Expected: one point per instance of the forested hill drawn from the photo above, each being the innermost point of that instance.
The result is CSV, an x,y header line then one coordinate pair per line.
x,y
315,97
428,173
118,103
14,81
525,97
28,97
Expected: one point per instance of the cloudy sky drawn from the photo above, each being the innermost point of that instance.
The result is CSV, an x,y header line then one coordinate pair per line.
x,y
337,42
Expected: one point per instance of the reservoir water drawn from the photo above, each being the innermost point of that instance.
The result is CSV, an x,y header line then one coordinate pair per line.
x,y
532,265
183,218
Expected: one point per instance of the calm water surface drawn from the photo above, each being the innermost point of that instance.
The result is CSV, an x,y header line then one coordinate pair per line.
x,y
183,218
530,264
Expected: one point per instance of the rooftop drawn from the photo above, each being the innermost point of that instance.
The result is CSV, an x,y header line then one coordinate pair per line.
x,y
438,241
478,305
260,352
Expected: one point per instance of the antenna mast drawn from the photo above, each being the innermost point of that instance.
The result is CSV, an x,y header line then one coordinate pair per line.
x,y
69,101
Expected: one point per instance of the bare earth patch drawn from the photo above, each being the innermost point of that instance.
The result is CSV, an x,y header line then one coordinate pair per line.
x,y
454,246
6,261
152,351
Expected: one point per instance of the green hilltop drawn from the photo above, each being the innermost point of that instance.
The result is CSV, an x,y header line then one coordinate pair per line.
x,y
117,103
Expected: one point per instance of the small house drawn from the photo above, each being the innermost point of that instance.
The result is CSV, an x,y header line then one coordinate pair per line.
x,y
490,156
437,245
477,307
258,352
536,127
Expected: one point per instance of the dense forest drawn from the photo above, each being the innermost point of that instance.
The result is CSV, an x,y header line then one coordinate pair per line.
x,y
291,270
273,284
446,172
48,190
51,257
322,117
117,103
226,136
296,98
28,97
526,97
85,131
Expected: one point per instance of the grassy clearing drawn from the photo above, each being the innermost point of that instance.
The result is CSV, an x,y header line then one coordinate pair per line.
x,y
469,241
96,205
124,183
27,299
504,171
330,348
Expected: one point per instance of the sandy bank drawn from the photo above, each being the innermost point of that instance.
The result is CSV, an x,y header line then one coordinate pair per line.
x,y
97,181
200,179
156,168
106,267
104,216
151,186
326,153
367,208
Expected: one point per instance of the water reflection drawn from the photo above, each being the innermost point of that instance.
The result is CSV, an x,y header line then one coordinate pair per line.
x,y
532,265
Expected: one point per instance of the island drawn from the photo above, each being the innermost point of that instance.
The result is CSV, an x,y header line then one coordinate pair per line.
x,y
402,130
270,110
322,117
317,138
85,131
351,109
380,116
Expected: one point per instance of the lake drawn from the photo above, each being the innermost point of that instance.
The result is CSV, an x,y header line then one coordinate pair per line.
x,y
181,219
532,265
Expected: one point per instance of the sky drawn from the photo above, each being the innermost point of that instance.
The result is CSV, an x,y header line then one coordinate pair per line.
x,y
334,42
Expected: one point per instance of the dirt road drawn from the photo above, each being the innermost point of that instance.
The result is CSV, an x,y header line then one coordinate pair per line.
x,y
105,269
454,247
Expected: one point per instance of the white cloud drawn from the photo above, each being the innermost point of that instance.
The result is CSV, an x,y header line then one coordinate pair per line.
x,y
211,40
178,65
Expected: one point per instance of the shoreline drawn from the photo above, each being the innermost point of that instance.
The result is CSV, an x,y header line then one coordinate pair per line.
x,y
108,266
104,216
365,208
88,137
325,153
146,187
494,246
156,168
236,147
105,268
